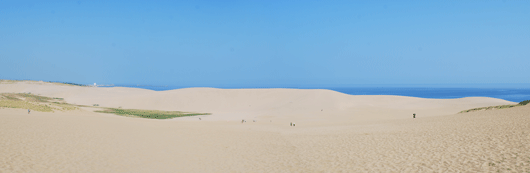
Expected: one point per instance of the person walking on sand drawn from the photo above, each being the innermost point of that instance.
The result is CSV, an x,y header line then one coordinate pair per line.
x,y
28,111
413,115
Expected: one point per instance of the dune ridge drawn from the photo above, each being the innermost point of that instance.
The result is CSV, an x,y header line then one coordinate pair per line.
x,y
234,104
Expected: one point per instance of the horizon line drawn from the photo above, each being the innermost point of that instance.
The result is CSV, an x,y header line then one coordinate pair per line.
x,y
309,86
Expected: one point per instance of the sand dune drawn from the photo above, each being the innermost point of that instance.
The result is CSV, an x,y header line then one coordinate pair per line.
x,y
335,133
308,105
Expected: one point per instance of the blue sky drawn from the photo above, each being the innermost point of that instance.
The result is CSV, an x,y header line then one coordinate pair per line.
x,y
266,43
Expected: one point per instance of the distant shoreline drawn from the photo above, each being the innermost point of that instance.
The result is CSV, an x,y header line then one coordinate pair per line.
x,y
509,94
436,92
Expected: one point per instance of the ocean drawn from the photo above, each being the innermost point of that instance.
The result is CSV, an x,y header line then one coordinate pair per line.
x,y
510,94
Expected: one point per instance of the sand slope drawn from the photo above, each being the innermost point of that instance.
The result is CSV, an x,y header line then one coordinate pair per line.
x,y
354,133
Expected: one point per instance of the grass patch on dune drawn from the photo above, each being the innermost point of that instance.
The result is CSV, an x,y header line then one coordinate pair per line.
x,y
152,114
47,104
65,106
26,97
34,98
33,102
10,97
2,81
496,107
490,108
25,105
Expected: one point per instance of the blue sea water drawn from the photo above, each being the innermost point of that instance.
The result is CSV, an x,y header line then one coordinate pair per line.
x,y
514,95
510,94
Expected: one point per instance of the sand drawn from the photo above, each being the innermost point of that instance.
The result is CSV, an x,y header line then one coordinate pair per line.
x,y
335,132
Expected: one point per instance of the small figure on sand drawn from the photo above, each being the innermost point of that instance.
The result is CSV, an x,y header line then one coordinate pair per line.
x,y
291,123
242,121
200,118
413,115
294,124
29,111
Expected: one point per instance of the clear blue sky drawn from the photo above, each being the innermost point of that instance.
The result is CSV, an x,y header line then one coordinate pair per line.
x,y
266,43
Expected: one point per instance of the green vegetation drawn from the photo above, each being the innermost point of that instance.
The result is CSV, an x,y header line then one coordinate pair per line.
x,y
490,107
9,97
47,104
25,105
7,81
152,114
34,98
65,106
26,97
33,102
497,107
524,102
